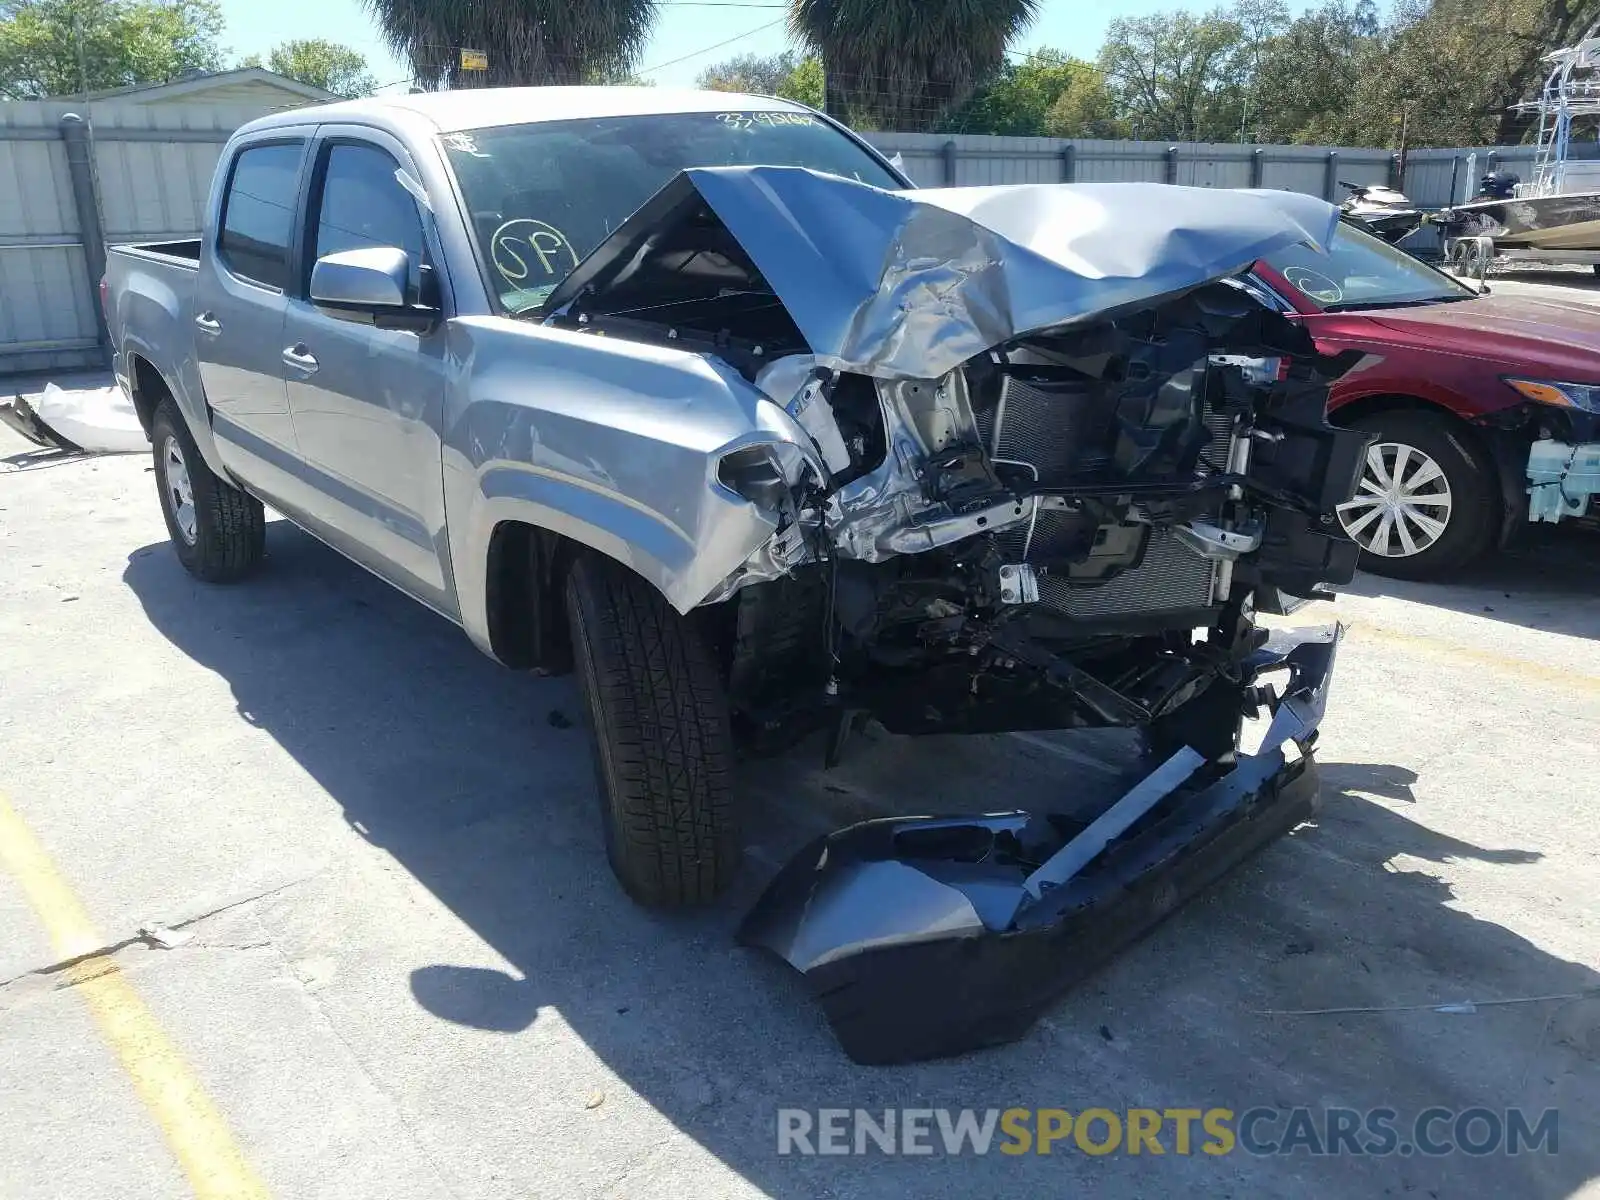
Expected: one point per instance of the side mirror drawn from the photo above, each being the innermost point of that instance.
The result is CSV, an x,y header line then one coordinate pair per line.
x,y
370,284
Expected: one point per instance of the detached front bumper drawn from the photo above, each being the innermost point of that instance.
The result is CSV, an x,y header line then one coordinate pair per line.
x,y
1562,479
924,937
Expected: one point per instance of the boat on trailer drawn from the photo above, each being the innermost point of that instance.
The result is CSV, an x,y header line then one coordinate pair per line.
x,y
1555,216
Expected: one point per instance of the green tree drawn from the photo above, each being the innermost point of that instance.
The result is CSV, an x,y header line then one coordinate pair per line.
x,y
805,83
1449,71
59,47
1085,108
1187,77
761,74
1018,99
1046,93
784,74
527,41
1308,73
616,75
323,64
904,64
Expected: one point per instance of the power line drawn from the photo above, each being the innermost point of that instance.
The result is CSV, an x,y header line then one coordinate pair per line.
x,y
708,49
1054,58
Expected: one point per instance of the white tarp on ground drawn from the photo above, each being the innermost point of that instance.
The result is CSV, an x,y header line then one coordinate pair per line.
x,y
96,420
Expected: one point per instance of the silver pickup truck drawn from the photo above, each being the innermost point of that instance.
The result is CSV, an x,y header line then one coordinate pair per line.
x,y
693,393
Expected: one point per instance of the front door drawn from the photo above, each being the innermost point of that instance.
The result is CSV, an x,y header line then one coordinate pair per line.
x,y
367,402
239,310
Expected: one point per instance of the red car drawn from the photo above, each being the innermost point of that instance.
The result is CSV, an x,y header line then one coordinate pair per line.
x,y
1486,409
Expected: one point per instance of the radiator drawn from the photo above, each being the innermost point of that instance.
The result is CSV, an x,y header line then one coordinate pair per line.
x,y
1048,429
1170,577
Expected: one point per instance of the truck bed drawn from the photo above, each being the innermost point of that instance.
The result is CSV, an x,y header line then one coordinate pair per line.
x,y
149,306
185,252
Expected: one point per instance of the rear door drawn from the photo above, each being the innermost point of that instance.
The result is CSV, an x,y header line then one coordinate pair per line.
x,y
367,402
240,299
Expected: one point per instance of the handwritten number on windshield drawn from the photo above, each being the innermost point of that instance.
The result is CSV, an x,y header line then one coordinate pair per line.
x,y
771,120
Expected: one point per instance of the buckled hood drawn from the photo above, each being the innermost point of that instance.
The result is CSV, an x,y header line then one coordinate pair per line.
x,y
912,284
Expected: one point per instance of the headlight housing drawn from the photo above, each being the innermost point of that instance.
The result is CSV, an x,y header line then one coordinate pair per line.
x,y
1584,396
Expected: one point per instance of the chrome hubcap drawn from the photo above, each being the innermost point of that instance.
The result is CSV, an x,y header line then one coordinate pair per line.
x,y
180,492
1403,504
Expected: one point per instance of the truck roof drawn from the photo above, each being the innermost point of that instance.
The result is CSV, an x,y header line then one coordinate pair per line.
x,y
482,108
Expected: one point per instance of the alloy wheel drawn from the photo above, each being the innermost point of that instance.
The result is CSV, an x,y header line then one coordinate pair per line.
x,y
180,491
1403,504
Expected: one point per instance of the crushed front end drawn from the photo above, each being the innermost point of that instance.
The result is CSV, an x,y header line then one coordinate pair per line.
x,y
1034,459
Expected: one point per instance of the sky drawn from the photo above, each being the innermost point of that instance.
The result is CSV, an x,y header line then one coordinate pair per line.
x,y
686,35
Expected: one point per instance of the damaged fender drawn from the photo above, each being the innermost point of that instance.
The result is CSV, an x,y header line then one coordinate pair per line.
x,y
896,289
614,444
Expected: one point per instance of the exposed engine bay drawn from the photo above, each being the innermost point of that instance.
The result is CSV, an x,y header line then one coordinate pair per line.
x,y
1028,458
1030,540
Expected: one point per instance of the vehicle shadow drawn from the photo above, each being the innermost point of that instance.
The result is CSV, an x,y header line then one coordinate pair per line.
x,y
1551,585
467,775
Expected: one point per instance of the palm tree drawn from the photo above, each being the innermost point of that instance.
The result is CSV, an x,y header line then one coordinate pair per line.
x,y
902,64
527,41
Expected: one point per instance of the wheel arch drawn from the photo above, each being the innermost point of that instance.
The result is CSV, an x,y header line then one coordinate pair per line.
x,y
149,385
524,573
1362,407
525,612
1509,473
149,388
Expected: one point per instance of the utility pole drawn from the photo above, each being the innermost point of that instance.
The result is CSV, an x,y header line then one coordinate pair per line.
x,y
83,64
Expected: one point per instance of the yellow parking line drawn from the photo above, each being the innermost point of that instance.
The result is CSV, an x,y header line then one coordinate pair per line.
x,y
1564,677
1362,628
194,1129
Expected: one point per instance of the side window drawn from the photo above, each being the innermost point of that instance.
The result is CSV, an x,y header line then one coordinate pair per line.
x,y
362,204
258,213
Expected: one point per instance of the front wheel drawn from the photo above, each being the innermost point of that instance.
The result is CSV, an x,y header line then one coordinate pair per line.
x,y
219,532
657,710
1428,502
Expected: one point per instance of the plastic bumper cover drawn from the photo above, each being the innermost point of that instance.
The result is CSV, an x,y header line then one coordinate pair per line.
x,y
927,937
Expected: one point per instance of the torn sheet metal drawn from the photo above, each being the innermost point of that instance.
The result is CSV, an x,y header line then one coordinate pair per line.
x,y
927,937
909,285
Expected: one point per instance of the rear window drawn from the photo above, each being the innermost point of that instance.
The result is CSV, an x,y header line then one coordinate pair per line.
x,y
258,213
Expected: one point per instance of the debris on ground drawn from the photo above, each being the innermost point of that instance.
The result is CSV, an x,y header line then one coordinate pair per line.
x,y
90,420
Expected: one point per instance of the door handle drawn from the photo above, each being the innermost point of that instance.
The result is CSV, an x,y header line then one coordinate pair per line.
x,y
301,359
208,324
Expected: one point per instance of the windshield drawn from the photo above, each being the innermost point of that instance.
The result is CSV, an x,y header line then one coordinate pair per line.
x,y
542,196
1361,271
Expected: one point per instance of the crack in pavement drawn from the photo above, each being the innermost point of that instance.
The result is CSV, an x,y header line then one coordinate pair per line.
x,y
153,936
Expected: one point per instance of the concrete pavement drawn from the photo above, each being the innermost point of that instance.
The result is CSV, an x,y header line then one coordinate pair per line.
x,y
418,979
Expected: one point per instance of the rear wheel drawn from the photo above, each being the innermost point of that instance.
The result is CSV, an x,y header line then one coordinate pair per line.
x,y
1427,503
218,531
658,718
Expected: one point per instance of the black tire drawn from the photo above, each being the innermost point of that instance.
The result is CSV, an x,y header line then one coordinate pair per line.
x,y
658,721
1475,507
229,528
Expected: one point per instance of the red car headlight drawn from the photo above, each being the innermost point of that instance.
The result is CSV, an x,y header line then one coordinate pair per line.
x,y
1585,396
